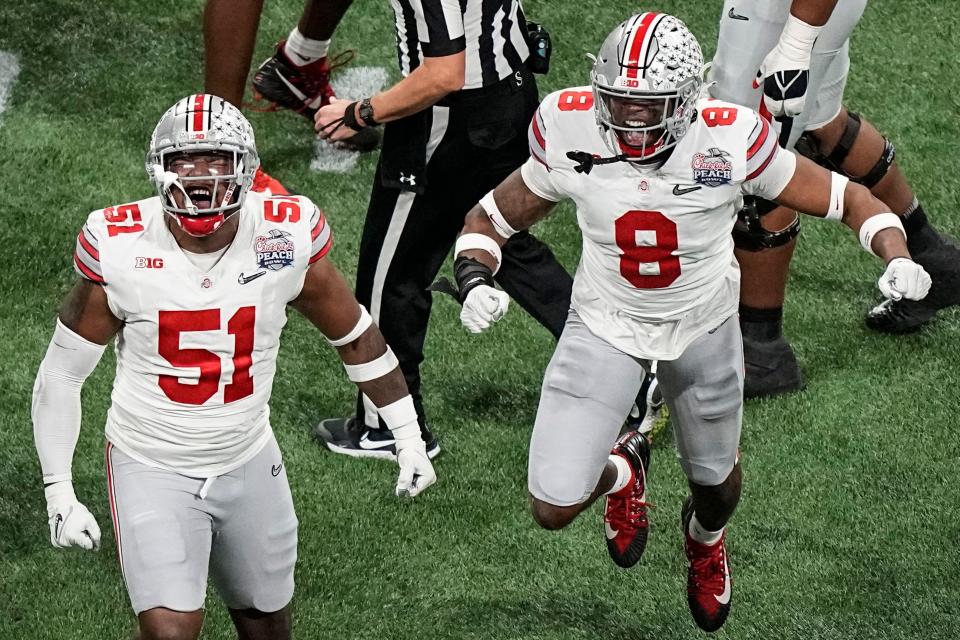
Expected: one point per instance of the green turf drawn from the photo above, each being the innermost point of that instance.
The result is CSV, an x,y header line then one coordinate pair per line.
x,y
849,526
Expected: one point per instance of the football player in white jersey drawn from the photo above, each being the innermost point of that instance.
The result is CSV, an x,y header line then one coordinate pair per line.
x,y
656,170
802,50
194,285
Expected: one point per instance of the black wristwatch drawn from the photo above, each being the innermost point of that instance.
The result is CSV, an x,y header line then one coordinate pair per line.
x,y
366,113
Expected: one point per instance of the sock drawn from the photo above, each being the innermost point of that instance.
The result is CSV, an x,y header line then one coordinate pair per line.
x,y
761,324
701,535
301,50
624,473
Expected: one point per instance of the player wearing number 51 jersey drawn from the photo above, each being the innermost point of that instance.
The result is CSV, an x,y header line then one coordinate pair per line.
x,y
655,171
194,284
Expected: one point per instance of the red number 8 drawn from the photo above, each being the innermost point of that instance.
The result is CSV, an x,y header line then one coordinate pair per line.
x,y
626,227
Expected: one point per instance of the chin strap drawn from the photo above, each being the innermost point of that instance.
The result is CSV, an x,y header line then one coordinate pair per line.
x,y
586,161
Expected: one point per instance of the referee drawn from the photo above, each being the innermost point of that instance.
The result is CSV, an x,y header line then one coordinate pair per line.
x,y
455,127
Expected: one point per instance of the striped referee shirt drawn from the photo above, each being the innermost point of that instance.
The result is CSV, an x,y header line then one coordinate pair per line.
x,y
490,31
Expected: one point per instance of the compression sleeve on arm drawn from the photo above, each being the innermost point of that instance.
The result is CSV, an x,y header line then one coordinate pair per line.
x,y
56,400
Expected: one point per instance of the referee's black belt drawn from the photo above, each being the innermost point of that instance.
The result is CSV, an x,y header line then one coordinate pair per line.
x,y
508,85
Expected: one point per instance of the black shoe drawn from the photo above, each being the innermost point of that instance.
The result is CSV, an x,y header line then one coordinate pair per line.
x,y
349,437
647,407
941,259
770,368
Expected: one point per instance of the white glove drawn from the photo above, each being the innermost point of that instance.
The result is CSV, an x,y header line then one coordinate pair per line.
x,y
484,306
904,278
785,72
71,523
416,470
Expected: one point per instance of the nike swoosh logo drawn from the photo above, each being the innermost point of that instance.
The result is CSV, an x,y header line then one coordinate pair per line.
x,y
57,524
724,598
679,191
313,104
736,16
610,531
64,346
276,469
250,278
367,443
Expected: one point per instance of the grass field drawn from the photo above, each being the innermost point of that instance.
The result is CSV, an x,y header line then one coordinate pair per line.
x,y
850,520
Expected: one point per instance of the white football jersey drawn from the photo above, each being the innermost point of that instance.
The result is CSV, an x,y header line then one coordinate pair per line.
x,y
197,350
657,268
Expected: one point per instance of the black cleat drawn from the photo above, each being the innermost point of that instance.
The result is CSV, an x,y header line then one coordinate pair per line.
x,y
347,436
941,259
770,367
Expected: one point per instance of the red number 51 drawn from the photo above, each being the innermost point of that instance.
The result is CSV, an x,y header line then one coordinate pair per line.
x,y
240,326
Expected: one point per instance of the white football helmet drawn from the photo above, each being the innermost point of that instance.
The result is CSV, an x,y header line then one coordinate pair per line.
x,y
646,79
202,125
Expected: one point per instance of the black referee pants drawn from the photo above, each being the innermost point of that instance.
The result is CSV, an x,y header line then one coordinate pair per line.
x,y
475,142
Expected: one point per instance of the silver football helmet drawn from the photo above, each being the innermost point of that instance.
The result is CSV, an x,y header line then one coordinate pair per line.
x,y
215,132
646,79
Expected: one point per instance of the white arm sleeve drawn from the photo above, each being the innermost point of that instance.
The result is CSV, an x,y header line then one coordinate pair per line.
x,y
56,400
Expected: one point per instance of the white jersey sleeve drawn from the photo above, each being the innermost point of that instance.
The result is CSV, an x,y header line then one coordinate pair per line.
x,y
769,167
536,172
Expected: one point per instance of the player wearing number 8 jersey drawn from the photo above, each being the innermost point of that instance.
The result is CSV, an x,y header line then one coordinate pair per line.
x,y
655,171
195,284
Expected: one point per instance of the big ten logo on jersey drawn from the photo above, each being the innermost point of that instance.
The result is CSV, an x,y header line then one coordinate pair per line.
x,y
125,218
141,262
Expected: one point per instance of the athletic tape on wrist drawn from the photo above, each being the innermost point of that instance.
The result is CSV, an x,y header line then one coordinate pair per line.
x,y
478,241
376,368
362,325
401,418
799,35
838,185
500,224
874,225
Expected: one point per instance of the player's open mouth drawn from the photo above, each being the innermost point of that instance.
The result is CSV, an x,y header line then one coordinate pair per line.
x,y
200,197
639,138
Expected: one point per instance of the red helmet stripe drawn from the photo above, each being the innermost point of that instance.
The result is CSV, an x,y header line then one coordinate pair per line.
x,y
637,44
198,112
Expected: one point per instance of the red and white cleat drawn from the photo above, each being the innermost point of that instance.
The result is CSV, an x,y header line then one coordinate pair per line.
x,y
625,514
708,577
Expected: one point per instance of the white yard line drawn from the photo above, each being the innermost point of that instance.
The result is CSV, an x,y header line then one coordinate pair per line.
x,y
9,70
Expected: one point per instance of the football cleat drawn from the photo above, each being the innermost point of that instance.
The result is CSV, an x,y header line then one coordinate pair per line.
x,y
941,259
306,89
625,521
708,576
770,368
647,408
350,438
263,182
900,316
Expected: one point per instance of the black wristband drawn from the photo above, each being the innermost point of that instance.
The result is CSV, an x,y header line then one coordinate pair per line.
x,y
350,117
469,274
